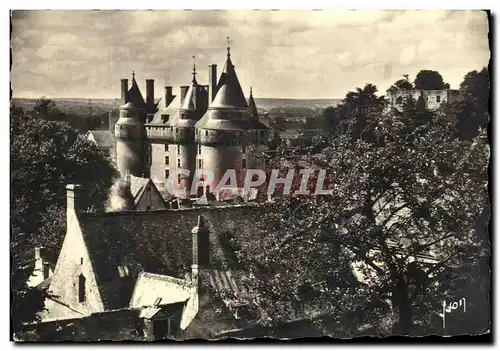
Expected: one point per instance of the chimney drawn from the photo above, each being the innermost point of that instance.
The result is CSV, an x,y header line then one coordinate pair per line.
x,y
73,197
46,270
184,90
168,95
124,91
150,93
212,82
201,247
39,252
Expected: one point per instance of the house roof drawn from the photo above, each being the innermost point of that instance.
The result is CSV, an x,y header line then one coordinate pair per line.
x,y
103,138
160,241
162,109
157,289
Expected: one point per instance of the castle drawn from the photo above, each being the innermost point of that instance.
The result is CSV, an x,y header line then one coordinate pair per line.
x,y
433,99
208,129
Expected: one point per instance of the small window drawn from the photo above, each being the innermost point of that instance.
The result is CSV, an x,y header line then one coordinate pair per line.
x,y
206,133
179,162
178,149
167,173
438,98
81,288
176,130
81,260
241,134
199,149
244,163
166,160
243,149
178,178
166,147
200,163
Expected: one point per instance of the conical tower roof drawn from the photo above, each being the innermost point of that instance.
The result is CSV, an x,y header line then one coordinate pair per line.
x,y
134,94
252,107
186,115
229,109
229,92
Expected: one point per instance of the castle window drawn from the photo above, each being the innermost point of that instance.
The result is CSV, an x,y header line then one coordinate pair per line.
x,y
166,147
167,173
176,130
179,162
178,178
243,149
200,163
244,163
166,160
178,149
81,288
206,132
199,149
438,98
81,260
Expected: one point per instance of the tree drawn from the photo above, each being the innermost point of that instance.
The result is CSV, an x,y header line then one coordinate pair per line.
x,y
48,110
404,212
45,156
358,112
403,84
430,80
470,111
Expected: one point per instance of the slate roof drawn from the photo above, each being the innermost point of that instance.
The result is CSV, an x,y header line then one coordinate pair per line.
x,y
229,109
156,289
135,96
160,242
169,110
103,138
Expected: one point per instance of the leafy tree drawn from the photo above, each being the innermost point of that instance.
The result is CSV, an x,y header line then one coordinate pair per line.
x,y
45,156
329,116
359,112
430,80
405,212
48,110
402,84
470,111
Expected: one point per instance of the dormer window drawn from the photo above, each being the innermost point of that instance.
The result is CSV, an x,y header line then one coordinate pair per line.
x,y
438,98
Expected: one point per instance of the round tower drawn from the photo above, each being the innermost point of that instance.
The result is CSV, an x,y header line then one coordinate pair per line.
x,y
226,131
129,134
182,149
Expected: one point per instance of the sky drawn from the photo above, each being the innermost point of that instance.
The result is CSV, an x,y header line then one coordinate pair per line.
x,y
281,54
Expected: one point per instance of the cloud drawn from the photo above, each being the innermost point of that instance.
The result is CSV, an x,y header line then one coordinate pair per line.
x,y
295,54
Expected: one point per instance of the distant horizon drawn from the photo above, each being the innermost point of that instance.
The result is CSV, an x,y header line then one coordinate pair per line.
x,y
299,54
156,97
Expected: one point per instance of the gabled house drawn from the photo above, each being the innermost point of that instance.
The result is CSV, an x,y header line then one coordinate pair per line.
x,y
170,281
146,194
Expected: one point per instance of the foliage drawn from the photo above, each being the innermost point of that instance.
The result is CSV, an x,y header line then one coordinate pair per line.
x,y
359,111
45,156
430,80
402,84
404,212
469,113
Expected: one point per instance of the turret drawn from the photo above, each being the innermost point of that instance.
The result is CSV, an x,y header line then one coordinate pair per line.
x,y
131,148
179,134
226,130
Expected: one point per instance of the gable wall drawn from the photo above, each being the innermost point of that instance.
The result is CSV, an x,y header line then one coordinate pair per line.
x,y
68,268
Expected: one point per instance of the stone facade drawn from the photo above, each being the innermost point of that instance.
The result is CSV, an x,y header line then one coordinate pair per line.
x,y
433,98
207,127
